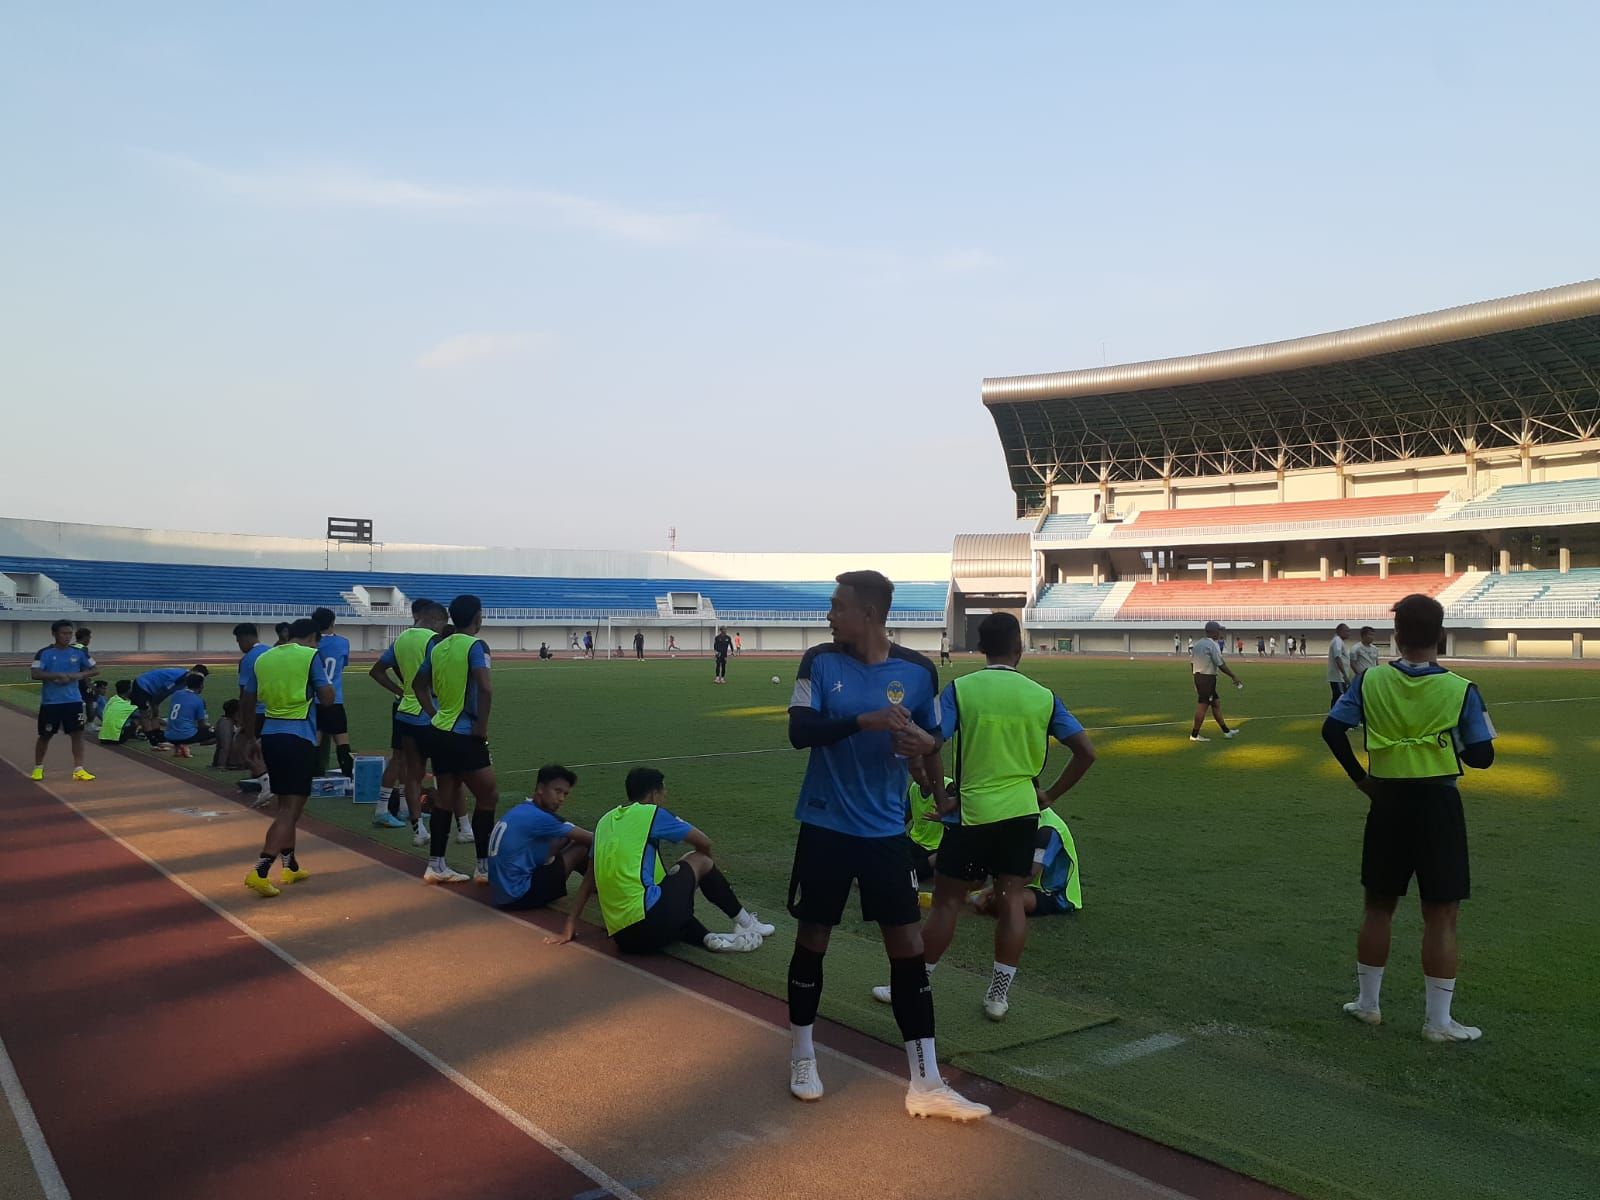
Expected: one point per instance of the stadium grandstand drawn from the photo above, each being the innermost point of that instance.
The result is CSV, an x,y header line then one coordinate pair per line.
x,y
1284,487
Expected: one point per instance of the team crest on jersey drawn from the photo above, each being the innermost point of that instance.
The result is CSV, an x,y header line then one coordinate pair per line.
x,y
896,692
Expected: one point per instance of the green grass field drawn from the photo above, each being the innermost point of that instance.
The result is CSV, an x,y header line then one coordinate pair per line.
x,y
1196,998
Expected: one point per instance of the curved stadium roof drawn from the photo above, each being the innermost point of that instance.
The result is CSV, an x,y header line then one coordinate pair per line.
x,y
1487,374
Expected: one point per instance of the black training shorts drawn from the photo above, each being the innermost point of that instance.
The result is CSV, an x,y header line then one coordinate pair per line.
x,y
921,860
548,883
60,718
291,763
1205,688
140,698
972,853
331,719
827,862
457,753
670,919
402,732
1416,828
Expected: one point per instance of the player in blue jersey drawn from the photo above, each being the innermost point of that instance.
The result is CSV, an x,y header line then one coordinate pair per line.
x,y
863,707
60,667
332,723
251,647
532,850
185,712
151,688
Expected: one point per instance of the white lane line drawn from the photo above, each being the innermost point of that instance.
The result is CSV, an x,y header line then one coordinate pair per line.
x,y
547,1140
44,1163
1128,1051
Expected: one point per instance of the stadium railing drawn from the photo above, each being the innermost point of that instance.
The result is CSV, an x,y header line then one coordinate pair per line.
x,y
1534,508
186,608
1167,532
1309,613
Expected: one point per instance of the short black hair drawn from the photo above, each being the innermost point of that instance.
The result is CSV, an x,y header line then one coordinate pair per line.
x,y
83,633
642,781
99,685
303,628
872,587
1339,626
553,771
246,629
419,606
124,686
322,618
281,629
56,626
464,609
1366,629
1418,622
200,669
229,707
999,634
194,681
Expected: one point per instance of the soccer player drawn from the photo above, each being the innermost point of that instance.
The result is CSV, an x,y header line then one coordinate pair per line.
x,y
1288,645
638,645
251,647
453,687
738,642
720,645
1422,723
282,630
80,639
186,717
944,647
862,707
1177,644
1001,723
60,667
286,680
1261,647
1364,654
118,724
1339,661
409,727
1054,887
1206,661
924,827
646,907
151,688
1304,648
333,725
532,850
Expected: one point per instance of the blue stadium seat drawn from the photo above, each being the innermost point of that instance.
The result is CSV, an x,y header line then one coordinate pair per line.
x,y
1071,601
1515,498
1065,527
1530,593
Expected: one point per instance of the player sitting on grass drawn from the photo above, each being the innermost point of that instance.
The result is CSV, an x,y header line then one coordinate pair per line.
x,y
1422,722
532,850
647,908
117,724
925,829
186,717
1054,887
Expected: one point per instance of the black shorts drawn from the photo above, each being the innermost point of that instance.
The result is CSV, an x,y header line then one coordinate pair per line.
x,y
973,853
140,698
331,719
921,860
457,753
1050,904
1205,688
548,883
203,736
60,718
827,862
291,763
1337,689
403,732
1416,828
670,919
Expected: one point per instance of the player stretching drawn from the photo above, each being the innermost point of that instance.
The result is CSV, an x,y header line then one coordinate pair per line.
x,y
1001,722
286,680
332,723
409,727
1422,722
452,686
859,704
1206,659
61,667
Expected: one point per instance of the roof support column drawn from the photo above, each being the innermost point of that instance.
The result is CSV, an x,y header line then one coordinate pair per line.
x,y
1383,564
1505,561
1323,568
1266,569
1565,559
1449,562
1211,570
1469,452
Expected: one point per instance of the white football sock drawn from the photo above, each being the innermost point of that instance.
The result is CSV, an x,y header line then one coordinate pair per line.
x,y
924,1065
800,1042
1370,981
1440,993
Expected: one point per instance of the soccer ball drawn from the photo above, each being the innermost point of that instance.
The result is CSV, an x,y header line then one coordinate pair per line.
x,y
775,679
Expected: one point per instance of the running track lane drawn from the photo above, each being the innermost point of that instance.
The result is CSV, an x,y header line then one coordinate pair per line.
x,y
167,1054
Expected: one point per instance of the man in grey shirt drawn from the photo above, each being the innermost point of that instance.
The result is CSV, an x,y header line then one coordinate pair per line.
x,y
1338,661
1364,654
1206,660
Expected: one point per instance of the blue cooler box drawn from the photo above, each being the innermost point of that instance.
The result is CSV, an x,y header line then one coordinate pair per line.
x,y
369,778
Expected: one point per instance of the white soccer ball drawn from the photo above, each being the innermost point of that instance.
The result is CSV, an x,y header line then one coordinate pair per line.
x,y
775,679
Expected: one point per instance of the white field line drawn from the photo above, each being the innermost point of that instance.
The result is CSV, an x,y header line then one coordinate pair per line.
x,y
44,1163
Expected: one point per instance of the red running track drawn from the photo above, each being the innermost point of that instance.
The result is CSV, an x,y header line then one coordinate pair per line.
x,y
167,1054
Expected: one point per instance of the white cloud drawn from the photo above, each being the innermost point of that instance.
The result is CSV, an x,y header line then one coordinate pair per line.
x,y
476,347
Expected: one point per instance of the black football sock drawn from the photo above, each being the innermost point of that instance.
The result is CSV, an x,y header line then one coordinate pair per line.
x,y
264,864
911,997
347,762
289,859
482,829
805,986
714,886
439,830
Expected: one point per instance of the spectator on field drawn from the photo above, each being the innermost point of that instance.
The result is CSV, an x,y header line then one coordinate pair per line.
x,y
1339,661
1364,654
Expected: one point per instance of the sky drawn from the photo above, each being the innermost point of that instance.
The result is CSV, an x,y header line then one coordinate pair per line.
x,y
572,275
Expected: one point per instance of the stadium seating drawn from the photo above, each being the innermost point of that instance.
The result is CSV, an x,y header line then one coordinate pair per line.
x,y
1530,593
1518,498
1298,512
158,582
1363,592
1065,527
1072,601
